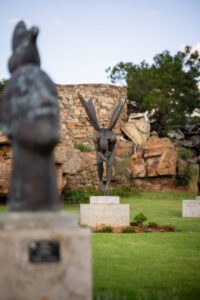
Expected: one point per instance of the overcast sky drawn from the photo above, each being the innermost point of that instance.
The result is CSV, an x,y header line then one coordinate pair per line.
x,y
79,39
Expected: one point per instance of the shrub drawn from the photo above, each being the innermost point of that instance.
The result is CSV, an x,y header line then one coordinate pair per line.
x,y
103,228
75,196
167,228
185,154
128,229
124,191
83,147
183,180
153,225
139,219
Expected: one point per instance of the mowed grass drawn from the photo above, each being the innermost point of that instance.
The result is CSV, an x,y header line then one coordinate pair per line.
x,y
150,265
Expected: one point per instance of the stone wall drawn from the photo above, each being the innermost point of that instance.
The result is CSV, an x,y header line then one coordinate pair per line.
x,y
73,116
153,165
74,168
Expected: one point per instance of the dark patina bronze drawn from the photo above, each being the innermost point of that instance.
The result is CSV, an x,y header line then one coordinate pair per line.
x,y
105,140
192,133
29,115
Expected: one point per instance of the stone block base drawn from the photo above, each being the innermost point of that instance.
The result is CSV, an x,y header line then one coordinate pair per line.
x,y
66,277
191,208
104,200
105,214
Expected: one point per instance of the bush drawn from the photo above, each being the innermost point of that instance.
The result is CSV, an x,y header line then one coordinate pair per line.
x,y
128,229
103,228
83,147
185,154
125,191
153,225
183,180
75,196
167,228
139,219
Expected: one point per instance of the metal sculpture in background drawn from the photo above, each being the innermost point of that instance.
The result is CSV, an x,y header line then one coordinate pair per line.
x,y
105,140
29,115
192,133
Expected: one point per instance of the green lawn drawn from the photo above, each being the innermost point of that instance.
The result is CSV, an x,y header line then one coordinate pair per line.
x,y
150,265
146,266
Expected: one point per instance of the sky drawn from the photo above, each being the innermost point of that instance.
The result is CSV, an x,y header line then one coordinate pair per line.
x,y
79,39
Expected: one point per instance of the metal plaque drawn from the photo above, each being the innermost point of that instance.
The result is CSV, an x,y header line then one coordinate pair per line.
x,y
44,251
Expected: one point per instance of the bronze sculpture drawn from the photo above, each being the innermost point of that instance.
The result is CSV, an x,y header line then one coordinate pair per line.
x,y
29,115
192,132
104,139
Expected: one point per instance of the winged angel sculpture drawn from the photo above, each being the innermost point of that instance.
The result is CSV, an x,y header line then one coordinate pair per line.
x,y
105,140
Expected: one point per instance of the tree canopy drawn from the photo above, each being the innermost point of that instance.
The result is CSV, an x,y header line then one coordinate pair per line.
x,y
168,88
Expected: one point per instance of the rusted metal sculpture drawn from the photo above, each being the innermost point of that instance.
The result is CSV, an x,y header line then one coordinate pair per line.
x,y
29,115
105,140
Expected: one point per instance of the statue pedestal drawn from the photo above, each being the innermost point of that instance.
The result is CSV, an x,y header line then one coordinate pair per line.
x,y
191,208
44,256
104,210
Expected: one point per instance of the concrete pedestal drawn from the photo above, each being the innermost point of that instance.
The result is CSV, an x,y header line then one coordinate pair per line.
x,y
104,210
44,256
104,200
191,208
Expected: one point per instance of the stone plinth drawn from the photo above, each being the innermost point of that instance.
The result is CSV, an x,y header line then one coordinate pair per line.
x,y
105,214
191,208
44,273
104,199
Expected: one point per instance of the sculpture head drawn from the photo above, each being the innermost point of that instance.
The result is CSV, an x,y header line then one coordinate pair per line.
x,y
29,109
24,47
105,136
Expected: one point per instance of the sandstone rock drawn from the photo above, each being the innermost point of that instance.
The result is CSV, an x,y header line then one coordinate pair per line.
x,y
164,183
60,153
138,167
182,166
3,139
156,146
73,162
5,172
152,163
124,148
167,163
88,160
137,128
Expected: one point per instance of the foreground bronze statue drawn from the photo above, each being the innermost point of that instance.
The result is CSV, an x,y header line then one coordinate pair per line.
x,y
105,140
29,115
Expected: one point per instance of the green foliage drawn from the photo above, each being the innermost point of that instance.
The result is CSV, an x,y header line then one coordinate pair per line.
x,y
103,228
153,225
83,147
124,191
167,88
167,228
128,229
185,154
139,219
75,196
184,179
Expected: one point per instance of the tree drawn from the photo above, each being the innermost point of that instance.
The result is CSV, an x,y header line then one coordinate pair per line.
x,y
167,89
